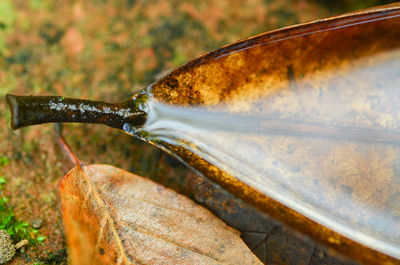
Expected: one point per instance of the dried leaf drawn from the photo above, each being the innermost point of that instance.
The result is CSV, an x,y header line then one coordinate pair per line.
x,y
114,217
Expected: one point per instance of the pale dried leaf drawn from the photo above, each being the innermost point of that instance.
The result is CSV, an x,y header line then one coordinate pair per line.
x,y
114,217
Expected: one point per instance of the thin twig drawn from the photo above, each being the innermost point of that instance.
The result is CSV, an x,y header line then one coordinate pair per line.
x,y
312,255
64,145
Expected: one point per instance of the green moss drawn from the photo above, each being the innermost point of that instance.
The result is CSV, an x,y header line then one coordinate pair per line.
x,y
8,16
285,17
168,37
50,33
36,4
21,57
179,58
341,6
3,162
17,229
2,182
8,83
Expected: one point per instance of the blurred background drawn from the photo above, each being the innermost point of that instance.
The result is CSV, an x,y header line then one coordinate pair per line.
x,y
108,50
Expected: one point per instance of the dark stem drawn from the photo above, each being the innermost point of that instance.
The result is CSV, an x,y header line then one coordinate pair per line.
x,y
32,110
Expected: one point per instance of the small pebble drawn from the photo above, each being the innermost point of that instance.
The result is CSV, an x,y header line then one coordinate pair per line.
x,y
22,250
7,248
37,223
